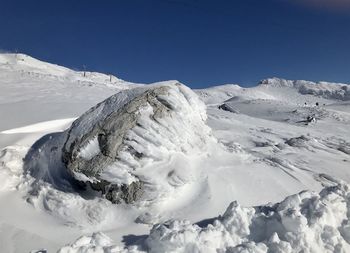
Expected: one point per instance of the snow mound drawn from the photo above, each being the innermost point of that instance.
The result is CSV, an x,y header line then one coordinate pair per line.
x,y
97,242
335,91
11,167
304,222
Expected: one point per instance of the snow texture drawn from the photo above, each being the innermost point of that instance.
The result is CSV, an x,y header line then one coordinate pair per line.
x,y
304,222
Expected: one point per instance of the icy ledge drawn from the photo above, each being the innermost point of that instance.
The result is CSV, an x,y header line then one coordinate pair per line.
x,y
304,222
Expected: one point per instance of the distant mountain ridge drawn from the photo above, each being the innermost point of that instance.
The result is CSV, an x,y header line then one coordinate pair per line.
x,y
23,62
31,66
322,89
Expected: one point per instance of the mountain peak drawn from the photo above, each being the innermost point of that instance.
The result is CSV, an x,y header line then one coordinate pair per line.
x,y
30,65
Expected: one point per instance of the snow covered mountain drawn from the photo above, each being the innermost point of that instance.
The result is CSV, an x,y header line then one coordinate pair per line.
x,y
267,142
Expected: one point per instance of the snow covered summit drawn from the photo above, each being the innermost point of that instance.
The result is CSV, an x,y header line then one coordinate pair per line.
x,y
26,65
42,91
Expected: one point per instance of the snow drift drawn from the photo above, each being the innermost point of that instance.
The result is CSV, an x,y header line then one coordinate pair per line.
x,y
304,222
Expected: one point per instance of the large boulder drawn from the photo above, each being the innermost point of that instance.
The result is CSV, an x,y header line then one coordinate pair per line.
x,y
120,143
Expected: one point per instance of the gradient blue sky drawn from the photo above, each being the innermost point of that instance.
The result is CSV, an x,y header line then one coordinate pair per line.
x,y
199,42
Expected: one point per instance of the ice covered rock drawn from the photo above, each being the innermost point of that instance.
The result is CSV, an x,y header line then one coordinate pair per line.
x,y
119,143
299,141
227,107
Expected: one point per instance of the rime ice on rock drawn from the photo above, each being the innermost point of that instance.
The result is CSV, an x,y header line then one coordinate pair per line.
x,y
108,145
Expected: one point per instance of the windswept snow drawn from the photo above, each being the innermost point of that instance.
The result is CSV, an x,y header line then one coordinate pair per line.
x,y
263,149
304,222
33,91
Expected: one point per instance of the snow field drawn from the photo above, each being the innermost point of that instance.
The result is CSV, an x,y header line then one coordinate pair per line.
x,y
259,152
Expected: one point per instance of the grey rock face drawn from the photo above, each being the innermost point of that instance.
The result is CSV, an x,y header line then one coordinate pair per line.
x,y
298,141
110,132
119,193
228,108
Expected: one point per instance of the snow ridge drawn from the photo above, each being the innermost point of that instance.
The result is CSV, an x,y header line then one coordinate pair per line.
x,y
321,89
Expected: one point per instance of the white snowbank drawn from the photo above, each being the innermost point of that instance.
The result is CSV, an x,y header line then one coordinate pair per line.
x,y
46,126
304,222
97,242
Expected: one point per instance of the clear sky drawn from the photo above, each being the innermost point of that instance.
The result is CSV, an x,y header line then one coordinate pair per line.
x,y
199,42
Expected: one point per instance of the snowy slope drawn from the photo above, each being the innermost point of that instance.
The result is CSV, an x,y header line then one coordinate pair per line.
x,y
33,91
264,151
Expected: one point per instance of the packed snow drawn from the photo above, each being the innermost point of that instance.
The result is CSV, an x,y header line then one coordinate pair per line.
x,y
304,222
284,142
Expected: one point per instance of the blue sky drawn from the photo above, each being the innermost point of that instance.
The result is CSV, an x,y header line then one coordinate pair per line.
x,y
199,42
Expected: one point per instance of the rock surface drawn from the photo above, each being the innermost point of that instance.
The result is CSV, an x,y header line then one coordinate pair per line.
x,y
228,108
107,145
